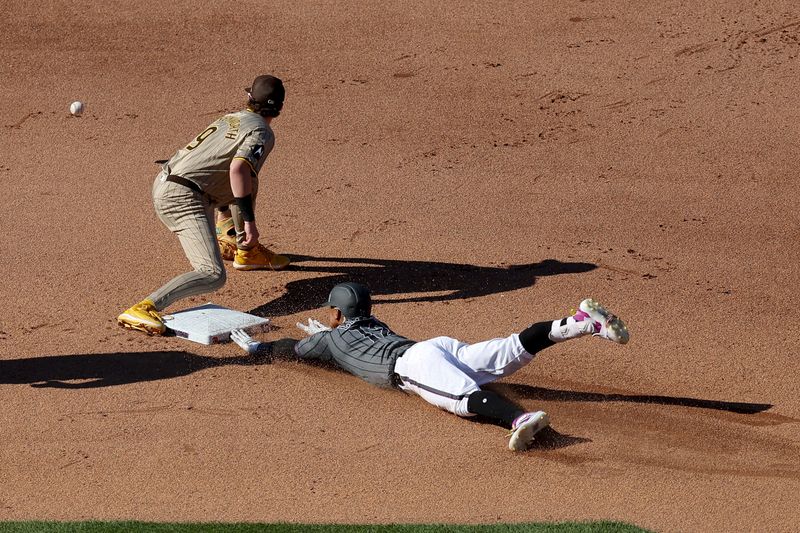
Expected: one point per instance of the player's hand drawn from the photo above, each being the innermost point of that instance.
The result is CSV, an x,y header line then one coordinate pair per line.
x,y
245,341
250,235
318,326
313,326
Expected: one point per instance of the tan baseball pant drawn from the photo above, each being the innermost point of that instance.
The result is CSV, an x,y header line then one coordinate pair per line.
x,y
189,215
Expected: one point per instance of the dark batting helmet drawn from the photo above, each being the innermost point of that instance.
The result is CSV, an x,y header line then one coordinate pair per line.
x,y
351,298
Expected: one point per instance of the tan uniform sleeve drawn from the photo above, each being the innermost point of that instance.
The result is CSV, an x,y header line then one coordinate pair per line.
x,y
255,148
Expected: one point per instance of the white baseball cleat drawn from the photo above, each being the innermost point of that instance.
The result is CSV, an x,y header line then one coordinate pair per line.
x,y
525,427
607,325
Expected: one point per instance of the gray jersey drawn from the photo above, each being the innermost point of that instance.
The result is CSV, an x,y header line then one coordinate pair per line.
x,y
206,160
365,347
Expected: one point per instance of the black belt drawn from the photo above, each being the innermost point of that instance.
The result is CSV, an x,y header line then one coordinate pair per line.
x,y
186,183
394,378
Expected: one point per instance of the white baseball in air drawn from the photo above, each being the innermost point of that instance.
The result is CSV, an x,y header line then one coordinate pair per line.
x,y
76,108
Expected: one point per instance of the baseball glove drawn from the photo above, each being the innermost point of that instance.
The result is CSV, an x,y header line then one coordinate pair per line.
x,y
227,247
226,239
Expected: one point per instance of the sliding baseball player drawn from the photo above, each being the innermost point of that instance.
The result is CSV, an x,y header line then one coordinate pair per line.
x,y
443,371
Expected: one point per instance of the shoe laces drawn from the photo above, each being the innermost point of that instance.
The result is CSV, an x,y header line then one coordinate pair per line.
x,y
251,253
264,250
521,419
582,316
608,322
150,310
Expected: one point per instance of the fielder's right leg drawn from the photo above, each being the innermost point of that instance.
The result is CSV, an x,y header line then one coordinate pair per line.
x,y
188,214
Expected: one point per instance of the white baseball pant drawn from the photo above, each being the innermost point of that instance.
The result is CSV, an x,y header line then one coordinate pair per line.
x,y
445,371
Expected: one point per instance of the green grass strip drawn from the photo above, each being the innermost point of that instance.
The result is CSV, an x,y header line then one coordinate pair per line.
x,y
148,527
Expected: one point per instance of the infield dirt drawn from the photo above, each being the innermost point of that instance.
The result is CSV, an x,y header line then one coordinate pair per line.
x,y
481,165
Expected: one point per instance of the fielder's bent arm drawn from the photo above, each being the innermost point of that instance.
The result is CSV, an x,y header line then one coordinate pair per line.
x,y
242,188
241,182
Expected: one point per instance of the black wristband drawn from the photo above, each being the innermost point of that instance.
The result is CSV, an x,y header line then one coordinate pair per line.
x,y
245,206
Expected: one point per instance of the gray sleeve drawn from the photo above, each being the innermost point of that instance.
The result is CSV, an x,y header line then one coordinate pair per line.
x,y
314,347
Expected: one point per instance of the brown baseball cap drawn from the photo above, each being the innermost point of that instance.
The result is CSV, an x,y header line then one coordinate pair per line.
x,y
267,91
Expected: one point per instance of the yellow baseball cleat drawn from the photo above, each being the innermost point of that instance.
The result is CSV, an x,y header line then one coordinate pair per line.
x,y
259,258
143,317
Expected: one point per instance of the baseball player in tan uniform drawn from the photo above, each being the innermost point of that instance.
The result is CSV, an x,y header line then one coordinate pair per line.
x,y
219,167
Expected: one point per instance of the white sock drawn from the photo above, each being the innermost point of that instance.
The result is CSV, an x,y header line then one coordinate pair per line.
x,y
570,330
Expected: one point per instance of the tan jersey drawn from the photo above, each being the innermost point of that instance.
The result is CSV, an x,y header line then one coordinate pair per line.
x,y
207,158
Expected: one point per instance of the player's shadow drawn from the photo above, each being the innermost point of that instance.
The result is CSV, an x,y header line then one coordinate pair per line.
x,y
549,438
396,281
84,371
527,392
